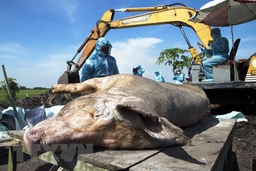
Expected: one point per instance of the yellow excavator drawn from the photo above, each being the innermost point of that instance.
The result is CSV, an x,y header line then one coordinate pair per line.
x,y
175,14
224,89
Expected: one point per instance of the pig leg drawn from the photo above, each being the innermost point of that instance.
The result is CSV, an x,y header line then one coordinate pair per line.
x,y
95,84
86,87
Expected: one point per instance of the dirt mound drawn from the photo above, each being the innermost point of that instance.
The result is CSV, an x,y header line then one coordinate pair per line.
x,y
3,105
244,144
48,99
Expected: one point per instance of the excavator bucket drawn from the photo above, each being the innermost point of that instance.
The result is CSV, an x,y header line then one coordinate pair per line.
x,y
68,77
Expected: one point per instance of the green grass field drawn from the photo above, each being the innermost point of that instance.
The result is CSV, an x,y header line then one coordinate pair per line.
x,y
23,93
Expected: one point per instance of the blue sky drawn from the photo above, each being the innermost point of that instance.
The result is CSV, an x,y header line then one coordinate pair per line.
x,y
38,37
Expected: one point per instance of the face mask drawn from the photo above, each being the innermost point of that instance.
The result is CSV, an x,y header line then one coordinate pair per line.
x,y
106,50
109,50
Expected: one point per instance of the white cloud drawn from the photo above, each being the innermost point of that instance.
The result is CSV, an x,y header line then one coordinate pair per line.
x,y
135,51
7,57
53,66
249,39
42,70
63,7
143,51
10,47
69,8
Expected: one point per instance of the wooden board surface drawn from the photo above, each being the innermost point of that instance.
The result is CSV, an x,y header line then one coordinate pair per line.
x,y
225,85
211,139
209,148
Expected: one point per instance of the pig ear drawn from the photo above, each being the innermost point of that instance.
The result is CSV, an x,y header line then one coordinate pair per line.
x,y
159,128
137,104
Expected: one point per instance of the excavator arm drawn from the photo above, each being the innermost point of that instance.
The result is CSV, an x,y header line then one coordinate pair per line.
x,y
168,14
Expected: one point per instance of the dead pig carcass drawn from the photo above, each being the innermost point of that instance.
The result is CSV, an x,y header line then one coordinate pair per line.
x,y
122,111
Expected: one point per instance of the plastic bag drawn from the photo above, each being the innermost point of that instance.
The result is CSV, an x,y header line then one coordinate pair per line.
x,y
238,116
35,115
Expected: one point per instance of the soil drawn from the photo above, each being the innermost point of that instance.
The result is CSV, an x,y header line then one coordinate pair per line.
x,y
242,157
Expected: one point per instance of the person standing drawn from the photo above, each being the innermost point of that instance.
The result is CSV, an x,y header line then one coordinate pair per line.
x,y
179,77
219,49
159,77
101,63
138,71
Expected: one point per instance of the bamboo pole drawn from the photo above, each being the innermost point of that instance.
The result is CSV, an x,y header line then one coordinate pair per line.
x,y
12,100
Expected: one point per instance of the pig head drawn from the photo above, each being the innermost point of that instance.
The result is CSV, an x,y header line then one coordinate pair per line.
x,y
122,111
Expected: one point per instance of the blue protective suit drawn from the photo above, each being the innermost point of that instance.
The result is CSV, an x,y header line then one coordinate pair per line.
x,y
99,64
159,77
219,50
179,77
138,71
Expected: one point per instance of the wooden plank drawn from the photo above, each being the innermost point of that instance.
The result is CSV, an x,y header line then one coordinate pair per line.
x,y
114,159
12,142
211,139
118,159
18,134
200,126
12,163
225,85
208,150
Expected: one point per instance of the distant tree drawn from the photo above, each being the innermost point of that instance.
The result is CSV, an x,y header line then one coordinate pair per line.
x,y
176,58
38,88
23,88
14,87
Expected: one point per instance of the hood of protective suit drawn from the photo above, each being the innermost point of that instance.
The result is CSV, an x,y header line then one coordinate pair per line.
x,y
102,42
215,33
138,66
157,72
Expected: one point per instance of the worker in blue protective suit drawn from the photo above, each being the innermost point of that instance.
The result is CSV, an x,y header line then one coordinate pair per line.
x,y
138,71
101,63
219,49
179,77
159,77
